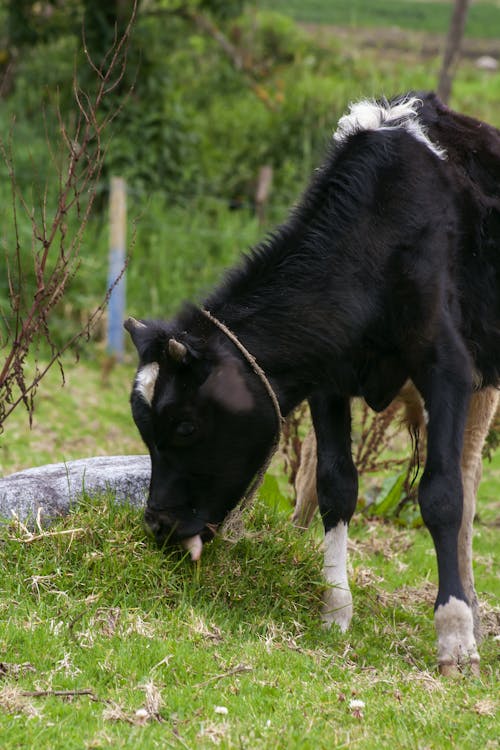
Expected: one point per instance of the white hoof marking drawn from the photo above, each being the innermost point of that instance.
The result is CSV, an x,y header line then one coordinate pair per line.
x,y
455,631
337,608
337,599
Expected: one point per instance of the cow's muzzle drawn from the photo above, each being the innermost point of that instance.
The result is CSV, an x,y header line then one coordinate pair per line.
x,y
166,531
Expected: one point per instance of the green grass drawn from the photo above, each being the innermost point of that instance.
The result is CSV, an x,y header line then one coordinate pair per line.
x,y
88,416
415,15
104,610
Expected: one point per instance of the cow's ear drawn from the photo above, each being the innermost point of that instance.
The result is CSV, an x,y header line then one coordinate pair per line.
x,y
137,329
227,386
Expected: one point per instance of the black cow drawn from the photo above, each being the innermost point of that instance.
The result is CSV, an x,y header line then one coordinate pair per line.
x,y
386,271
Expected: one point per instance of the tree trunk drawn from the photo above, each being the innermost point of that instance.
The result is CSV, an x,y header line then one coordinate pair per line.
x,y
452,50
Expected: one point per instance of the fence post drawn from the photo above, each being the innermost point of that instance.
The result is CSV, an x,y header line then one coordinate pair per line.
x,y
264,182
117,245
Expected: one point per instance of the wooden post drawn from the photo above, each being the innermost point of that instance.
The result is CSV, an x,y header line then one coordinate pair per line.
x,y
264,183
452,49
116,273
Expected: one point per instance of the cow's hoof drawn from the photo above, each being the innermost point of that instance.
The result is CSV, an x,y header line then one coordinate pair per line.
x,y
449,669
296,518
475,668
302,515
337,607
457,650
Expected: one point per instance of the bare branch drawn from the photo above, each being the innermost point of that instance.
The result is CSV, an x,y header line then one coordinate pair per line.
x,y
55,254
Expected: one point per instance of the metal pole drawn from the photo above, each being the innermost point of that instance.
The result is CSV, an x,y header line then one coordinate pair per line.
x,y
116,273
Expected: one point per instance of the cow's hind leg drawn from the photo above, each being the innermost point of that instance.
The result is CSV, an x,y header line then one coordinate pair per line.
x,y
482,409
305,483
446,390
337,486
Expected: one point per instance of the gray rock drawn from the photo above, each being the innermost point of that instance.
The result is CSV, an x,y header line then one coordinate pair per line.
x,y
55,487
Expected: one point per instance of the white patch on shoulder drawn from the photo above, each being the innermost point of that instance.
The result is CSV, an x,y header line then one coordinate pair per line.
x,y
371,115
145,381
455,631
337,600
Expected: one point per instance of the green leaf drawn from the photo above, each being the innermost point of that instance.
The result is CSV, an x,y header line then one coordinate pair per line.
x,y
271,492
386,504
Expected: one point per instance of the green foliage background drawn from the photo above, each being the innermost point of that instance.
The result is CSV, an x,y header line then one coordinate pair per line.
x,y
193,133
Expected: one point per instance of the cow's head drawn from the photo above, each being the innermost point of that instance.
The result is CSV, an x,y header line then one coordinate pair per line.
x,y
208,424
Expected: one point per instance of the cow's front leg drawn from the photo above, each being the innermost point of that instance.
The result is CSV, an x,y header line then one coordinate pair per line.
x,y
446,391
337,486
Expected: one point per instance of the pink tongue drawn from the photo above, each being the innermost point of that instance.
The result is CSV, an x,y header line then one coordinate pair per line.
x,y
194,546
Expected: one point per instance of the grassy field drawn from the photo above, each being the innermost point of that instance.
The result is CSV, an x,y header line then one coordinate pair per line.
x,y
423,15
108,642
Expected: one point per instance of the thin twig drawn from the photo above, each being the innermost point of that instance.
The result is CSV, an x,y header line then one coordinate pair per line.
x,y
236,670
59,693
37,537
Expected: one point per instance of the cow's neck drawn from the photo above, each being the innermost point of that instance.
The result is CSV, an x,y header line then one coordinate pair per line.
x,y
287,321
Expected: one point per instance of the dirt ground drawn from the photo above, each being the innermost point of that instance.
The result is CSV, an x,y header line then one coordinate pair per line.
x,y
402,43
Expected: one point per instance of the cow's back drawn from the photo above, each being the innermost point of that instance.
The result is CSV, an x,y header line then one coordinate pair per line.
x,y
471,145
473,156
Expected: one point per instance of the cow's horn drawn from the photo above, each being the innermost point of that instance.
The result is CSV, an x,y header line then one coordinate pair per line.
x,y
132,324
177,350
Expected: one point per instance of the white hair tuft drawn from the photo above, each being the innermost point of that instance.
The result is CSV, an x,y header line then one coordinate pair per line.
x,y
369,114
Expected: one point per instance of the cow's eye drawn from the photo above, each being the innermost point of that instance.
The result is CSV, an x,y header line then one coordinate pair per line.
x,y
182,433
185,429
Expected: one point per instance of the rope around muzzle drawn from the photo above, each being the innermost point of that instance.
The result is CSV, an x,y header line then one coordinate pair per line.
x,y
259,477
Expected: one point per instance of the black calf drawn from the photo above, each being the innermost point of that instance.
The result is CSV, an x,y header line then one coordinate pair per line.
x,y
386,271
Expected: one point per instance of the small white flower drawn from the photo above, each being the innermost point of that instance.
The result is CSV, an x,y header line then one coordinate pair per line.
x,y
141,713
357,707
221,710
356,704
